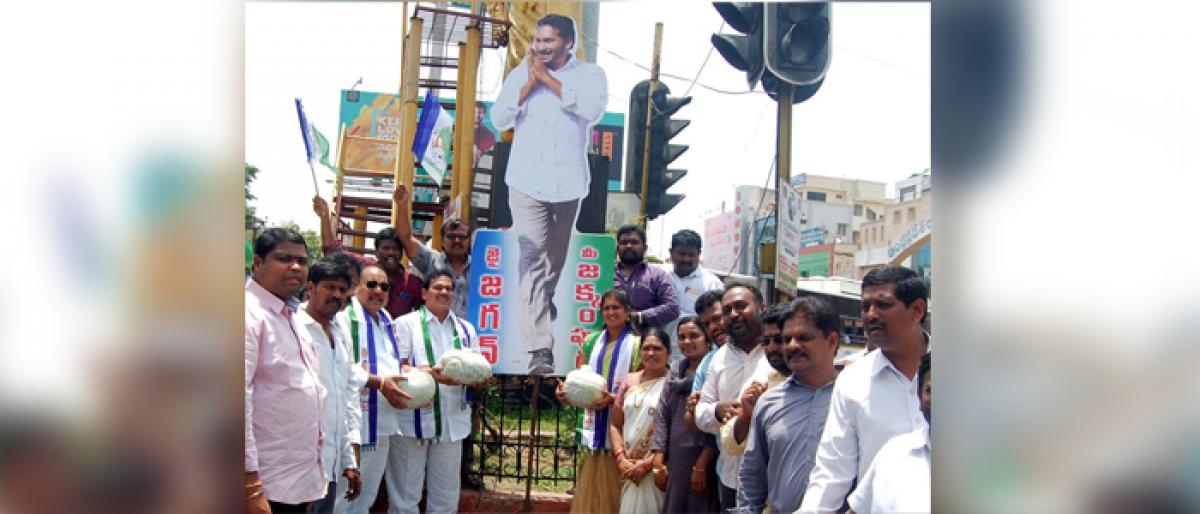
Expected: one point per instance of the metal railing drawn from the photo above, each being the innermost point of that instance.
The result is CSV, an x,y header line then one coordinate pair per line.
x,y
523,437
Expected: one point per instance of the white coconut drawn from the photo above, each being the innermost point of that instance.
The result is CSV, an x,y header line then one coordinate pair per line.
x,y
584,386
419,386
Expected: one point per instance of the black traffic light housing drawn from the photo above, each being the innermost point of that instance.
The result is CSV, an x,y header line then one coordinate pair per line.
x,y
635,136
796,36
744,51
780,43
662,152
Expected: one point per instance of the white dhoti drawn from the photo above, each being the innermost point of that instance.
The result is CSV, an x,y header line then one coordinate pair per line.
x,y
374,464
440,462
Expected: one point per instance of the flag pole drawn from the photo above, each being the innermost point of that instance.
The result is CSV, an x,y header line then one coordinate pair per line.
x,y
316,192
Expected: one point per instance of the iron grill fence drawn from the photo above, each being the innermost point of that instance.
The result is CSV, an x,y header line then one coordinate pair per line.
x,y
518,442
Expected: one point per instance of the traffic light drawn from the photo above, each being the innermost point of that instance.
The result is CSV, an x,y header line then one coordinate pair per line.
x,y
796,37
744,51
635,136
662,152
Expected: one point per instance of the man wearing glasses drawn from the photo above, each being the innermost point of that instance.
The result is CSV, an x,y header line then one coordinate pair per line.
x,y
374,349
455,255
771,371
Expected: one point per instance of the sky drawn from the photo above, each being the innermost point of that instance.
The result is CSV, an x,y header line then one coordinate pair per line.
x,y
870,120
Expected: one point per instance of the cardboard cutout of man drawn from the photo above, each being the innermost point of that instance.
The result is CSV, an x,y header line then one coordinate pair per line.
x,y
552,99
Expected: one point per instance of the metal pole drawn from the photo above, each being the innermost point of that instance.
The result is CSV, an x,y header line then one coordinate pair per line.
x,y
783,166
658,30
783,159
534,429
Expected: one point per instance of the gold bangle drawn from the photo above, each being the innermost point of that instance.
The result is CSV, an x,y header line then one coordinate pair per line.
x,y
254,495
702,470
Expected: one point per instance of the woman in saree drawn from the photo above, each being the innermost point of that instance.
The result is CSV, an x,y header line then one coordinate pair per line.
x,y
633,427
613,353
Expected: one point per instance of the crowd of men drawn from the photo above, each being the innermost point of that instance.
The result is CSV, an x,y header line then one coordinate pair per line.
x,y
327,424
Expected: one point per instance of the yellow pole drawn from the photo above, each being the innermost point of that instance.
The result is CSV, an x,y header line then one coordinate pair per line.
x,y
464,157
658,29
409,82
461,123
360,224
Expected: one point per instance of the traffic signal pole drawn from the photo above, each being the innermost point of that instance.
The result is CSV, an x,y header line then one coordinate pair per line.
x,y
658,30
783,154
783,141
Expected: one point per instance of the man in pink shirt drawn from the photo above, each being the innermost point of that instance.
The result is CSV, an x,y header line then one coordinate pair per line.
x,y
284,396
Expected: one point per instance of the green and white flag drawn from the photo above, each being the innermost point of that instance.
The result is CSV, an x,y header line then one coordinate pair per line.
x,y
438,152
322,150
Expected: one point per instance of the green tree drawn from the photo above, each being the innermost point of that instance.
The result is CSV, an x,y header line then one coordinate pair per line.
x,y
253,222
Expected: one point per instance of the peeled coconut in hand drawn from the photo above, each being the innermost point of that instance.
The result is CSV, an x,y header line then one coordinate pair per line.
x,y
419,386
584,386
465,367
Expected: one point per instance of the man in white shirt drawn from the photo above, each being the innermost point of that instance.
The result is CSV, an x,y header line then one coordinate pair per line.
x,y
875,399
730,367
899,479
431,436
690,280
552,100
328,282
367,329
771,371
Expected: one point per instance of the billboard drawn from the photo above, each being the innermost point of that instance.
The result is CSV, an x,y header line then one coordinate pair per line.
x,y
721,241
377,115
556,270
812,237
372,115
607,141
750,203
497,309
788,240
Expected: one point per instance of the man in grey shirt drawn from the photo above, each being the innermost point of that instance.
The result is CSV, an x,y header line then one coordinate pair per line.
x,y
455,257
789,418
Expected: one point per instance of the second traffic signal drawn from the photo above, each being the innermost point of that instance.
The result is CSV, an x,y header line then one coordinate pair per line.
x,y
743,51
796,36
662,128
